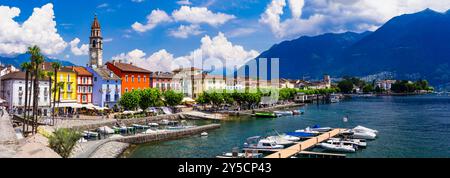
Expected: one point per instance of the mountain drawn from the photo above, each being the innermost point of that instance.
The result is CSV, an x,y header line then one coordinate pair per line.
x,y
16,61
412,46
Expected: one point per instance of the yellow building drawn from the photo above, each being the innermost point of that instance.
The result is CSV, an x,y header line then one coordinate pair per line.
x,y
66,96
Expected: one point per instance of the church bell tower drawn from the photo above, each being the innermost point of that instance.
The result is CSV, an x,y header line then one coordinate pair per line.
x,y
95,45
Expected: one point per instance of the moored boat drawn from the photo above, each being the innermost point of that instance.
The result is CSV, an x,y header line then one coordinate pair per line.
x,y
337,147
105,130
360,143
258,143
265,115
283,113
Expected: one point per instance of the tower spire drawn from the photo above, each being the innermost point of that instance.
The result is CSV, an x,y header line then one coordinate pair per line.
x,y
95,44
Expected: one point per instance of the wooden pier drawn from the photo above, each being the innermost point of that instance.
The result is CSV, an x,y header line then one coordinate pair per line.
x,y
301,146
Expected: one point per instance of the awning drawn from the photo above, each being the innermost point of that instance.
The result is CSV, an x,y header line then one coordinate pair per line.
x,y
88,106
69,105
187,99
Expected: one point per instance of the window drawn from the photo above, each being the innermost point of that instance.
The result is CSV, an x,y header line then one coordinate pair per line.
x,y
157,85
61,77
108,97
84,98
126,90
132,78
90,89
20,88
68,77
95,79
69,88
20,100
126,78
84,80
139,78
116,97
84,89
79,89
145,78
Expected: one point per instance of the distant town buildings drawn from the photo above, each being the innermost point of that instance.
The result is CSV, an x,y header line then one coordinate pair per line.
x,y
107,87
385,85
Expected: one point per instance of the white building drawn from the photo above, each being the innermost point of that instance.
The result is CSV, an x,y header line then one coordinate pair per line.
x,y
13,91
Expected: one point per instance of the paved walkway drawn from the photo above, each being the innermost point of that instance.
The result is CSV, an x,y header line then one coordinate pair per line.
x,y
8,139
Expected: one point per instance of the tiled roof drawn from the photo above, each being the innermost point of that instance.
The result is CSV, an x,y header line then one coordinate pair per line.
x,y
106,74
163,75
125,67
82,71
17,76
186,69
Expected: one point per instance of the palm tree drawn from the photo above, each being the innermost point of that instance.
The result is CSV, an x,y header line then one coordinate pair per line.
x,y
36,60
26,66
56,66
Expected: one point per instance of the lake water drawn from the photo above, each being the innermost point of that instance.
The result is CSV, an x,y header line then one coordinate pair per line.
x,y
411,126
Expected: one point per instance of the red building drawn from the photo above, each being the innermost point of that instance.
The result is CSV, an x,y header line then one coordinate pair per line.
x,y
133,78
84,84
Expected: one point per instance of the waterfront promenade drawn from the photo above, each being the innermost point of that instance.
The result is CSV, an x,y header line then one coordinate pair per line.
x,y
8,139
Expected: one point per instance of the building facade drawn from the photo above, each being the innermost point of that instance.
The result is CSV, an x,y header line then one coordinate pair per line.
x,y
132,77
13,91
84,85
107,87
163,81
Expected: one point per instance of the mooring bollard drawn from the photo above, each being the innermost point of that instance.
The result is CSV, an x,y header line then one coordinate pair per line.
x,y
279,155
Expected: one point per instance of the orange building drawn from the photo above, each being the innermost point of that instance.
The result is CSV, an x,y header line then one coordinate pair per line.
x,y
133,78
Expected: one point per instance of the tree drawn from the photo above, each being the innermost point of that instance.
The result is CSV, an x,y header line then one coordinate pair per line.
x,y
368,88
130,100
36,60
63,140
346,86
173,98
215,98
55,66
149,97
26,66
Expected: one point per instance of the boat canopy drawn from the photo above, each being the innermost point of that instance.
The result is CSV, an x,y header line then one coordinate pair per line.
x,y
300,134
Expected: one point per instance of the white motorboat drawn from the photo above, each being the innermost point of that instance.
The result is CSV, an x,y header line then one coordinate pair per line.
x,y
90,134
338,147
280,140
364,129
164,122
150,131
153,124
241,155
258,143
355,134
204,134
290,137
283,113
320,129
308,130
357,142
105,130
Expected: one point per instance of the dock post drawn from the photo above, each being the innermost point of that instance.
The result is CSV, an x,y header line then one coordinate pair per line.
x,y
279,155
317,139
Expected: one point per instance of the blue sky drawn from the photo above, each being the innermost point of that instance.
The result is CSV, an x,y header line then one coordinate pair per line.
x,y
238,29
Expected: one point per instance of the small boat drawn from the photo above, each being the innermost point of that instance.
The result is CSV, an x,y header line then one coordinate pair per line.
x,y
364,129
358,142
334,100
90,134
298,112
204,134
283,113
105,130
122,129
258,143
265,114
150,131
300,134
153,124
337,147
82,140
308,130
359,135
138,126
241,155
164,122
280,140
320,129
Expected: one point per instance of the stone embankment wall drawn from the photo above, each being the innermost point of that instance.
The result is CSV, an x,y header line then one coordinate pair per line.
x,y
169,135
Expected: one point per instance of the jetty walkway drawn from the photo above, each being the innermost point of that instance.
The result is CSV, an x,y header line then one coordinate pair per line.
x,y
301,146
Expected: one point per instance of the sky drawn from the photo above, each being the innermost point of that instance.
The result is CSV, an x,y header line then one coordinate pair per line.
x,y
156,34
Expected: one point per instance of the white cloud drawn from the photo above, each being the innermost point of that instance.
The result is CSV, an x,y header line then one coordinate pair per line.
x,y
320,16
212,50
78,51
153,19
107,40
138,1
186,31
197,15
103,5
184,2
39,29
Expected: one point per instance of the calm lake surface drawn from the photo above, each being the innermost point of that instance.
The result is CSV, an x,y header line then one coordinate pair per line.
x,y
409,126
